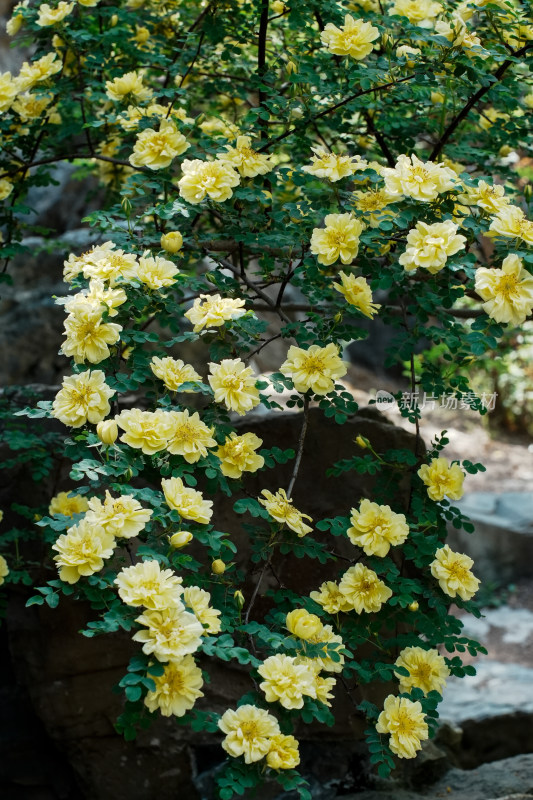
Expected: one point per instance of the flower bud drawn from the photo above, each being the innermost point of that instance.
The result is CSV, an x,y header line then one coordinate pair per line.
x,y
107,431
239,598
362,441
180,539
291,67
1,515
113,21
303,624
172,241
142,34
413,606
278,7
504,150
218,566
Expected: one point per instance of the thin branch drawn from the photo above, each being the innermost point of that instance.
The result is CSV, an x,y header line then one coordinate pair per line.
x,y
300,450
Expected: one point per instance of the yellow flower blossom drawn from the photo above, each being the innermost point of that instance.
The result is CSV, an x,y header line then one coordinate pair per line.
x,y
51,16
188,436
353,39
330,597
15,23
87,336
421,180
157,149
68,505
372,204
357,293
419,12
189,503
283,753
286,681
107,431
429,246
404,51
82,550
6,187
512,222
156,273
180,539
99,297
405,722
237,455
508,292
490,198
314,369
4,570
339,239
333,642
363,589
198,600
244,159
489,116
172,241
280,508
210,311
144,430
8,91
37,71
303,624
83,398
453,572
332,166
249,731
102,262
174,372
128,86
427,670
146,584
123,517
169,634
442,479
211,179
234,385
177,689
375,528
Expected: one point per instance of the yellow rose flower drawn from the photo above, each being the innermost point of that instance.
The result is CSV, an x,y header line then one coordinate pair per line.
x,y
146,584
177,689
452,570
237,455
244,159
9,87
280,508
423,181
332,641
6,187
442,479
203,179
372,204
103,262
51,16
249,731
330,597
314,369
82,550
427,670
283,753
198,600
512,222
286,681
99,297
66,504
490,198
128,86
234,385
303,624
189,503
169,634
357,293
339,239
363,589
83,398
157,149
107,431
156,273
404,51
188,436
375,528
180,539
508,291
39,70
353,39
4,570
144,430
332,166
16,22
429,246
172,241
174,372
418,12
210,311
405,722
489,116
87,336
123,517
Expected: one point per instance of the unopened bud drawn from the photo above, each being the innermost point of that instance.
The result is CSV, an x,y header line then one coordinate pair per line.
x,y
172,241
292,66
239,598
107,431
180,539
113,21
218,566
362,441
413,606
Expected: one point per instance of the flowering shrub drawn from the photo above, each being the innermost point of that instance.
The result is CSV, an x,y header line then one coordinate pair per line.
x,y
344,162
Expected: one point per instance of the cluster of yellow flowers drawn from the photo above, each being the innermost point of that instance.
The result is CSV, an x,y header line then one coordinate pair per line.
x,y
253,733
